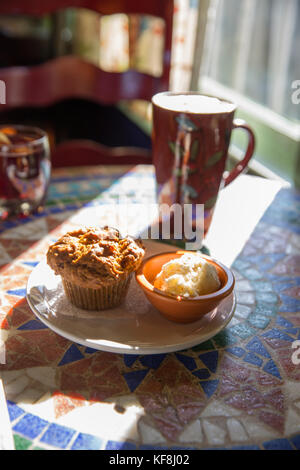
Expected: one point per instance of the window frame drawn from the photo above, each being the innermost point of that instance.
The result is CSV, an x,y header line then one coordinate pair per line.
x,y
277,153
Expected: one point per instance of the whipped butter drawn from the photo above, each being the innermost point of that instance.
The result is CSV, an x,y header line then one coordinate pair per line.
x,y
188,276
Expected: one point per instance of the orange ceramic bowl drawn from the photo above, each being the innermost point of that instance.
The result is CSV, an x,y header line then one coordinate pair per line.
x,y
178,309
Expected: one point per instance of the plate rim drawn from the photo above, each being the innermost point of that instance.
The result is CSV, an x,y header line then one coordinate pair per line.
x,y
120,348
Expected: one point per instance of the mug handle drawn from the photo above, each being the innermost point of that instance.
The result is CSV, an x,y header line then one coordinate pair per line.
x,y
239,123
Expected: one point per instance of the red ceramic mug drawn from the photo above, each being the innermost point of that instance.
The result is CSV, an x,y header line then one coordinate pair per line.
x,y
190,140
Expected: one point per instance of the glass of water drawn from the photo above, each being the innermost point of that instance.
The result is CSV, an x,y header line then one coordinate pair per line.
x,y
24,170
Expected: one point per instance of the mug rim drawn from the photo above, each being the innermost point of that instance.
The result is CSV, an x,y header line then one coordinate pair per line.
x,y
186,93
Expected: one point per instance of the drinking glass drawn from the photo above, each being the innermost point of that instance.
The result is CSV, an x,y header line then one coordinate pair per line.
x,y
24,170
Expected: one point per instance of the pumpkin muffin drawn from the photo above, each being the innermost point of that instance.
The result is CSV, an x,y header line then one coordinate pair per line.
x,y
95,265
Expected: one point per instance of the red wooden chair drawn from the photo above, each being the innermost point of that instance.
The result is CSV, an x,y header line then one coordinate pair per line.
x,y
70,77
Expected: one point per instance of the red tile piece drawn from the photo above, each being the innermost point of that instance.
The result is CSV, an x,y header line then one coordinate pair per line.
x,y
290,266
247,399
168,424
16,247
277,343
97,377
227,385
266,380
15,270
19,314
295,319
275,398
293,292
32,348
237,371
64,404
273,420
169,371
284,358
172,396
150,385
14,282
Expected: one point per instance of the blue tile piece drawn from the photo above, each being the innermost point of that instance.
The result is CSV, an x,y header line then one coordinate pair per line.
x,y
252,274
33,325
24,221
289,304
265,308
210,359
31,263
271,368
266,262
86,442
30,426
133,379
251,447
40,214
9,224
14,410
236,351
89,350
256,346
202,374
271,260
286,283
71,207
209,387
57,436
258,320
187,361
56,210
240,265
262,286
274,333
252,358
255,258
268,297
19,292
84,177
292,331
278,444
296,441
281,321
284,222
129,359
114,445
72,354
242,330
152,360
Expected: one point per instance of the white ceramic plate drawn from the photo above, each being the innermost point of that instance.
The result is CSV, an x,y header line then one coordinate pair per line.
x,y
135,327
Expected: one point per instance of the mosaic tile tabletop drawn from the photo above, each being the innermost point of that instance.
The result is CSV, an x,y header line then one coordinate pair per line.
x,y
239,390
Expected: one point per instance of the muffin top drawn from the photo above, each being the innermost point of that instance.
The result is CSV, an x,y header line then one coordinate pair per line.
x,y
93,257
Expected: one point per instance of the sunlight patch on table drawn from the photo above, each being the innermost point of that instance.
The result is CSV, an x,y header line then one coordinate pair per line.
x,y
239,208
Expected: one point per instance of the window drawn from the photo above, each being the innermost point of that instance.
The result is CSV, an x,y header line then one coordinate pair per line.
x,y
251,56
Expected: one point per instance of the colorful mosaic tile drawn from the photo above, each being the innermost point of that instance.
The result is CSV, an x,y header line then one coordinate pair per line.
x,y
238,390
